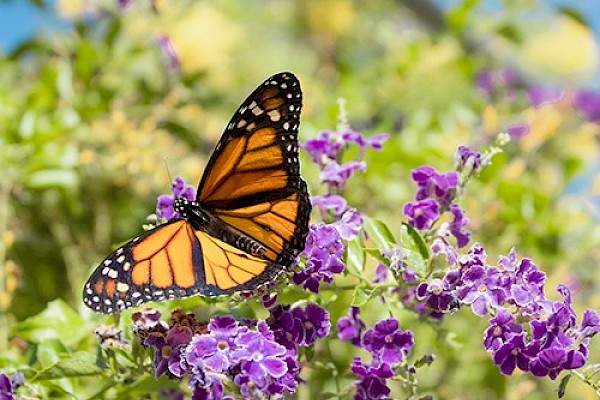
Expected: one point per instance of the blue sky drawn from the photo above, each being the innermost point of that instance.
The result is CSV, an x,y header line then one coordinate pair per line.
x,y
19,21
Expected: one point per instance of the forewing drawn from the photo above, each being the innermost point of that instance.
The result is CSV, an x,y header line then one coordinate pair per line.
x,y
257,155
252,181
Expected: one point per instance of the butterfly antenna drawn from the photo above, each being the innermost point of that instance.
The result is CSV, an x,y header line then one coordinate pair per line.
x,y
167,169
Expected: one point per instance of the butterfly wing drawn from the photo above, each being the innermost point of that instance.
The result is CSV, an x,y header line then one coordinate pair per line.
x,y
163,263
252,181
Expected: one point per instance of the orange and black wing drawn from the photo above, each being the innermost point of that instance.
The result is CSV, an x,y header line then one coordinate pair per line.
x,y
163,263
252,181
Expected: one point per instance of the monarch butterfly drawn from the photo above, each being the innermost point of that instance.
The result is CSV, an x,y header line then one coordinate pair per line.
x,y
248,223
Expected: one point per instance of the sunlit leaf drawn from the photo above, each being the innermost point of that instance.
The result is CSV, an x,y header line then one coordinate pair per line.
x,y
415,249
55,322
379,233
73,365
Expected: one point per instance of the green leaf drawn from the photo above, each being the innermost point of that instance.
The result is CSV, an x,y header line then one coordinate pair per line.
x,y
415,249
355,257
379,233
57,321
76,364
376,254
361,296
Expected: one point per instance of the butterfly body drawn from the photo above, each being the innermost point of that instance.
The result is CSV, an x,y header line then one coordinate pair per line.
x,y
247,223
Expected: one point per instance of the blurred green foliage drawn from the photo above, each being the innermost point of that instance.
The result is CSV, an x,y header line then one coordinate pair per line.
x,y
90,117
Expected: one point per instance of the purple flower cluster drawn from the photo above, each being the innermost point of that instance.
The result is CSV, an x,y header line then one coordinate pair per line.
x,y
388,344
293,327
181,190
324,246
346,220
259,357
327,149
435,195
545,341
324,250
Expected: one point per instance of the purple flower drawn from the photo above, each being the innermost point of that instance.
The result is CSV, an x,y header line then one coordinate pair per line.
x,y
587,103
6,388
396,257
337,175
551,362
349,224
262,361
441,246
372,384
513,353
316,323
350,328
422,214
387,342
210,354
527,286
269,300
323,149
146,321
323,252
288,382
463,237
432,184
376,142
165,44
502,328
287,327
438,295
381,274
476,256
517,131
298,327
181,190
168,348
590,324
482,288
467,159
542,95
332,202
560,319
